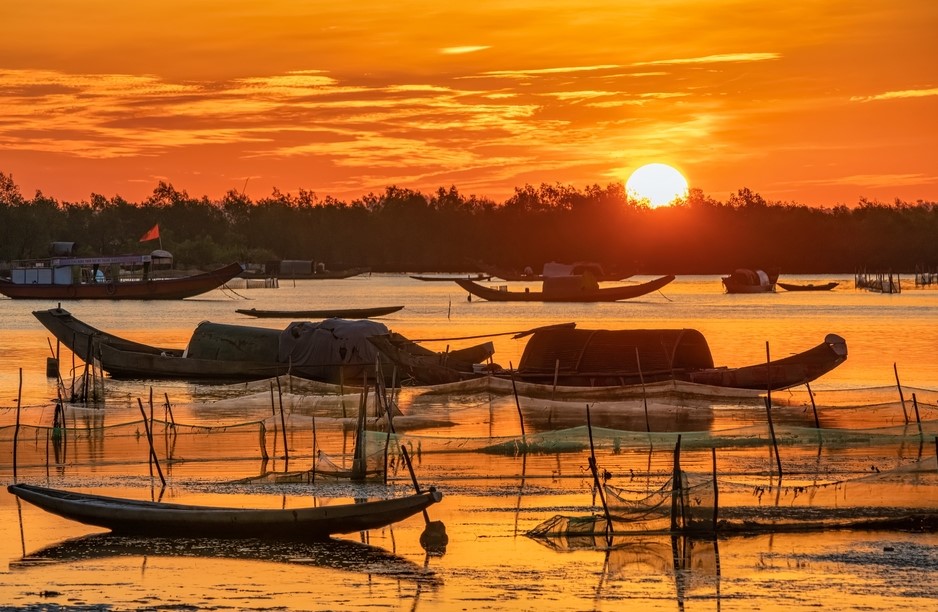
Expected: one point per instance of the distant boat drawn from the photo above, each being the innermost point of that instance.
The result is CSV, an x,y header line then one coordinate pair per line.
x,y
744,280
566,289
301,269
442,278
551,269
127,277
148,518
808,287
334,313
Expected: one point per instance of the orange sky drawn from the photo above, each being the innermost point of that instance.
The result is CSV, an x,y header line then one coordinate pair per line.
x,y
818,103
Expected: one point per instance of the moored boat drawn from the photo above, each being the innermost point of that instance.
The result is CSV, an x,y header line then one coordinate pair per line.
x,y
567,356
808,287
332,350
326,313
147,518
744,280
573,288
128,277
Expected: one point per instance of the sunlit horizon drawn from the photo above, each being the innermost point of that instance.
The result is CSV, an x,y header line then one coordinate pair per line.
x,y
346,101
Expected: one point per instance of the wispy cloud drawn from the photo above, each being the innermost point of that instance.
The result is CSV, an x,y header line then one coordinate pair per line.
x,y
897,95
542,71
714,59
463,50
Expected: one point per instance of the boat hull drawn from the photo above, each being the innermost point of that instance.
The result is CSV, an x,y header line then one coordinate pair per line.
x,y
824,287
336,313
155,289
603,294
145,518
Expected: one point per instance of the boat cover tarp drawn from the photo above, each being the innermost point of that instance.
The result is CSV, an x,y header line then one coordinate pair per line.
x,y
223,342
332,341
327,343
615,351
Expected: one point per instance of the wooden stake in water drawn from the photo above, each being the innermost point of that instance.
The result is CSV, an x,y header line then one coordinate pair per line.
x,y
905,413
283,426
677,493
918,419
16,430
146,427
596,480
817,423
514,389
641,377
768,409
716,489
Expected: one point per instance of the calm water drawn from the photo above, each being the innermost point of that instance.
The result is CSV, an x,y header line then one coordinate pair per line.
x,y
490,501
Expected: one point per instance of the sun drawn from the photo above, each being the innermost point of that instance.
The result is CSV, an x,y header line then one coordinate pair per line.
x,y
658,184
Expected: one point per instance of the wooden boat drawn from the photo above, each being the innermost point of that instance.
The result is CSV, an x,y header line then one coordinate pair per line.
x,y
567,356
302,270
333,350
808,287
83,278
744,280
566,289
334,313
442,278
146,518
551,269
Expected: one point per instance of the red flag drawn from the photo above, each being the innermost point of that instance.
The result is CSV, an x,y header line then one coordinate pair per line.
x,y
152,234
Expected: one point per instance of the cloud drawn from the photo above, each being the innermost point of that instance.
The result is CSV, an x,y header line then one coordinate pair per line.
x,y
542,71
897,95
714,59
463,50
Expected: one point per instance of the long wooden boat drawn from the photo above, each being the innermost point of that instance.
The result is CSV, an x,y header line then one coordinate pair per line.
x,y
333,313
578,268
808,287
63,280
430,278
146,518
566,356
334,350
566,289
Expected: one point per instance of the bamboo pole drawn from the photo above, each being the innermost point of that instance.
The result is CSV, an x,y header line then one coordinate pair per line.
x,y
596,480
556,375
169,409
817,423
283,427
905,414
768,409
16,430
676,486
641,377
153,456
716,489
514,390
918,419
413,478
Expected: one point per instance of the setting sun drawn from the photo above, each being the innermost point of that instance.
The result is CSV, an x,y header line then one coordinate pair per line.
x,y
659,184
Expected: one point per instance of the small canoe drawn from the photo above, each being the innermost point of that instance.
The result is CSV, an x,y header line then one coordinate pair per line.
x,y
327,313
440,278
147,518
808,287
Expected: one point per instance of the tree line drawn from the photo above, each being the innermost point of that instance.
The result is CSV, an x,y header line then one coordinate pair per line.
x,y
405,230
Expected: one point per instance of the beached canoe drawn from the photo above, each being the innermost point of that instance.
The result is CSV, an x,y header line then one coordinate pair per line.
x,y
136,517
